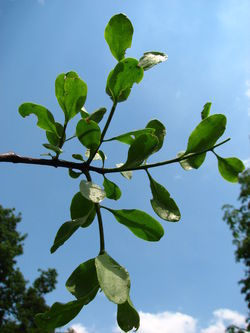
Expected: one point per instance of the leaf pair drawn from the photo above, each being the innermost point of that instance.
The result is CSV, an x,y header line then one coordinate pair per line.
x,y
101,272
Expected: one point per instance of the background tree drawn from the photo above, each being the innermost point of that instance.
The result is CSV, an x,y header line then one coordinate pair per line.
x,y
238,222
19,303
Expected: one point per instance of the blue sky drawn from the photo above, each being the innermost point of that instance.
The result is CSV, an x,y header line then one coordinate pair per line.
x,y
190,274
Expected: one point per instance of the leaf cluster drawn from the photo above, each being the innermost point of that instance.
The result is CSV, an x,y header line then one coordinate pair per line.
x,y
103,272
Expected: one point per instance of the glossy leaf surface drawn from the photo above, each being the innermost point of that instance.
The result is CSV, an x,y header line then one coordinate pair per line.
x,y
83,282
91,191
230,168
113,279
121,79
159,132
66,231
127,316
111,189
130,137
118,34
88,133
150,59
206,110
163,205
71,93
193,162
206,133
59,314
45,119
140,223
140,150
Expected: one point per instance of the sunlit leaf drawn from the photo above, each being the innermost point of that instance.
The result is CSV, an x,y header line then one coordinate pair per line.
x,y
59,314
150,59
159,132
140,150
121,79
92,191
126,174
98,156
127,316
206,110
111,189
45,119
193,162
71,93
83,282
140,223
118,35
113,279
130,137
88,133
206,133
230,168
163,205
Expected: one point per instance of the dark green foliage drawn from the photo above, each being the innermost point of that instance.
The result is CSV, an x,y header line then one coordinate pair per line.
x,y
19,303
238,221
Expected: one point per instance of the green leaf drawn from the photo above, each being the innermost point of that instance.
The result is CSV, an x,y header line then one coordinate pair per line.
x,y
53,148
206,110
53,138
121,79
230,168
113,279
126,174
140,223
74,174
111,189
97,115
84,113
127,316
78,157
160,132
118,34
88,133
45,119
83,282
66,231
71,93
193,162
130,137
206,133
81,207
91,191
140,150
163,205
98,156
150,59
103,157
59,314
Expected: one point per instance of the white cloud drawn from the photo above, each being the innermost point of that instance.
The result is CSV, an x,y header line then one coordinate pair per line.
x,y
79,328
176,322
224,318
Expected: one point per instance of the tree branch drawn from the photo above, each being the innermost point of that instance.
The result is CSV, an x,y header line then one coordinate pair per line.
x,y
14,158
